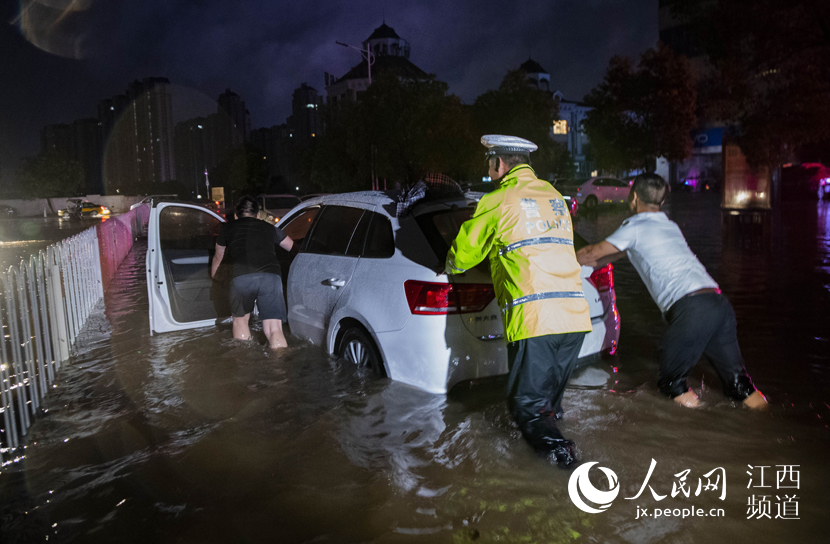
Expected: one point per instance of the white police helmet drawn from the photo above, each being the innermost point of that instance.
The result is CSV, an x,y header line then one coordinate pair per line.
x,y
499,144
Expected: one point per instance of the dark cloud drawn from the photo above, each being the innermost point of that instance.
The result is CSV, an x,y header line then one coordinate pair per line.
x,y
263,50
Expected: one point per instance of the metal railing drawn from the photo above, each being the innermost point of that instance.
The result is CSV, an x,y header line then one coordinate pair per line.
x,y
44,304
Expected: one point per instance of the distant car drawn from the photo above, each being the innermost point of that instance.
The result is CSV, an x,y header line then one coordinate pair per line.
x,y
274,207
363,286
157,198
78,208
7,211
594,191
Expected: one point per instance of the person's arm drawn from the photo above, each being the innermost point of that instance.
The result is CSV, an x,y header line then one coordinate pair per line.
x,y
597,255
217,260
474,240
287,243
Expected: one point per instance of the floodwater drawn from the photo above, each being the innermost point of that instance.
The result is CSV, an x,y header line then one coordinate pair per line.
x,y
21,237
191,437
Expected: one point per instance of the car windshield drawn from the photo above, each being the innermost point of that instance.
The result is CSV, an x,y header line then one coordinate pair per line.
x,y
281,202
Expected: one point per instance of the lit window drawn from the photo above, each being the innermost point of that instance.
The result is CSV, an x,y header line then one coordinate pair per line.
x,y
560,127
309,105
313,135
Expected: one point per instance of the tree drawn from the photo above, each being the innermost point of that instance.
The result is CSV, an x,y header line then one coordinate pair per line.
x,y
643,112
400,130
517,108
244,170
770,78
50,175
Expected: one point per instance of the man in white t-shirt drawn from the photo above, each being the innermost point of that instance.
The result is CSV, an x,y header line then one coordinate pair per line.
x,y
701,320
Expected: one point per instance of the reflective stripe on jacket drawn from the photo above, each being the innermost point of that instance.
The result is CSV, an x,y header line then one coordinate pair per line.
x,y
526,230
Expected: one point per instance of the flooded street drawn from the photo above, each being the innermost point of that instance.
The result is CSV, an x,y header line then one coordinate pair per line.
x,y
191,437
21,237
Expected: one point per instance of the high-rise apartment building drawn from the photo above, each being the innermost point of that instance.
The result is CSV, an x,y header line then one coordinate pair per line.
x,y
151,108
235,125
305,115
194,142
276,144
137,137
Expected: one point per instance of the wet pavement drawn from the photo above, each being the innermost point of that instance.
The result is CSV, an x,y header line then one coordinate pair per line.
x,y
192,437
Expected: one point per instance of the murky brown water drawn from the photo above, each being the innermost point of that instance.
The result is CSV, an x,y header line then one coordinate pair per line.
x,y
191,437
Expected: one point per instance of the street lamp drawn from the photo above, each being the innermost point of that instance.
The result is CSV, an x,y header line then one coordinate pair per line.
x,y
370,58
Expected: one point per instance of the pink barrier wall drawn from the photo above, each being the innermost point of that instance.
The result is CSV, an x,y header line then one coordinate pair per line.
x,y
115,239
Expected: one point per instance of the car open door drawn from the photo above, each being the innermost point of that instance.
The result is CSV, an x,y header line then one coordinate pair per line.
x,y
181,239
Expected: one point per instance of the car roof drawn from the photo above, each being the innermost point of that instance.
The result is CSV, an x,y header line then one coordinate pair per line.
x,y
376,198
385,198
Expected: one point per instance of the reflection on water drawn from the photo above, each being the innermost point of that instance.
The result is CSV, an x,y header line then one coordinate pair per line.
x,y
21,237
192,437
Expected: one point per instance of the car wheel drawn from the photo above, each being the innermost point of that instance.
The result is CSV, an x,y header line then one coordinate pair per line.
x,y
357,348
591,202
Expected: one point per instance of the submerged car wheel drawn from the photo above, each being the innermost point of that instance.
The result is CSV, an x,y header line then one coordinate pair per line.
x,y
591,202
356,347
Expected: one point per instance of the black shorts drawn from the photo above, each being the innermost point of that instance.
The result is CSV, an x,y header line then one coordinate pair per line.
x,y
263,288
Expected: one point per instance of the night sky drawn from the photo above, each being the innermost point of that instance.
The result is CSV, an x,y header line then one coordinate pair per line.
x,y
264,49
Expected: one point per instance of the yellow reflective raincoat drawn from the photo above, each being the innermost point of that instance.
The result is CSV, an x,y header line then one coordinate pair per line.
x,y
525,228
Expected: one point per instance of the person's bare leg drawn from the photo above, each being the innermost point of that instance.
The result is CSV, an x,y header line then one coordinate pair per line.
x,y
240,328
273,332
687,399
756,401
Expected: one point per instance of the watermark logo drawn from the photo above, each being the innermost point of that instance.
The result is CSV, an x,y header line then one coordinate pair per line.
x,y
580,486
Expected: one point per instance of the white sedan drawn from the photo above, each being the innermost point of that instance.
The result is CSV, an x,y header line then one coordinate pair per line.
x,y
363,285
599,190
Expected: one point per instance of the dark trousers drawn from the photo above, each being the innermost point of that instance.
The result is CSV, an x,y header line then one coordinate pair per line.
x,y
702,324
539,371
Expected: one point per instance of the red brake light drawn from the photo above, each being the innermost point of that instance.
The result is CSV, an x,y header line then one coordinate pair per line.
x,y
603,278
425,298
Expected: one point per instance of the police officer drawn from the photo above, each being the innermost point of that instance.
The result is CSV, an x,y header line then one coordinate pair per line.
x,y
524,228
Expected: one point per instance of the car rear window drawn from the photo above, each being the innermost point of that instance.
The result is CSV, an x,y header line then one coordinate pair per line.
x,y
441,228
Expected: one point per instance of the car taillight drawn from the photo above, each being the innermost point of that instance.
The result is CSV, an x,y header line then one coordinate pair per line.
x,y
425,298
603,278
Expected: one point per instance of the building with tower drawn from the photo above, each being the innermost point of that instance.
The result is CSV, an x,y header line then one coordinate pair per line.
x,y
391,54
567,130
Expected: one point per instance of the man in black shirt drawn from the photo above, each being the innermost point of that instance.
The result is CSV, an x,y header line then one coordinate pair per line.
x,y
252,243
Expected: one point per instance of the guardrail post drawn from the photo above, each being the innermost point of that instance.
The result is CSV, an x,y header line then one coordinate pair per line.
x,y
45,303
57,307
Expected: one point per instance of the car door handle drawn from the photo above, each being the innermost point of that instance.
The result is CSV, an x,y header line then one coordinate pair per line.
x,y
334,283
